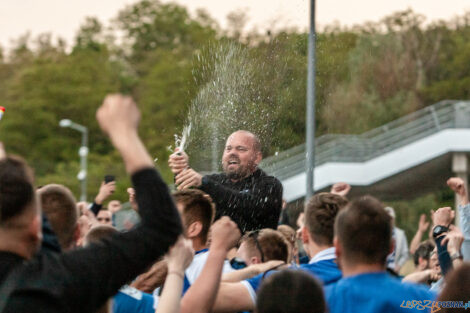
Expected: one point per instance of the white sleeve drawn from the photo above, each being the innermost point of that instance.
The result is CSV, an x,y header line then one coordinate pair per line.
x,y
251,291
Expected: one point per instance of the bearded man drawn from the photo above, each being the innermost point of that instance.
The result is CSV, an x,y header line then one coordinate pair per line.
x,y
245,193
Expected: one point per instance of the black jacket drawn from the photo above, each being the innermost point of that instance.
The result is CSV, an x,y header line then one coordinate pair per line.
x,y
253,202
83,279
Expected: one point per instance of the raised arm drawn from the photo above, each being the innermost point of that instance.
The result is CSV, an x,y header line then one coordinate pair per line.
x,y
201,296
422,227
96,273
458,186
106,189
179,258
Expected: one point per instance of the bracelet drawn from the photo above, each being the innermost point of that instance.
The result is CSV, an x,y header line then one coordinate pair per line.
x,y
181,275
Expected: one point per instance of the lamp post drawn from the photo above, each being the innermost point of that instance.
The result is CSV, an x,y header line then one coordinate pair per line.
x,y
82,152
310,125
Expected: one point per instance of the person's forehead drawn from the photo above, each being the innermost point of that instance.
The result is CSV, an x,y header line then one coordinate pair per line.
x,y
240,139
104,213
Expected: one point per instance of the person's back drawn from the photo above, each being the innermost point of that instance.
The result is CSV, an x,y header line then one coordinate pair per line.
x,y
375,292
363,239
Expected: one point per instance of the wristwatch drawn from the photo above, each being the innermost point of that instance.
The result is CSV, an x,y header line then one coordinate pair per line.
x,y
439,230
456,255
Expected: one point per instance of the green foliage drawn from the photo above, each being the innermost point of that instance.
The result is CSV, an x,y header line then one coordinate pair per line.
x,y
160,54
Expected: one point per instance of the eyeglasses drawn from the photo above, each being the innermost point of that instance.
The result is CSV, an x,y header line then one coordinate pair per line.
x,y
254,234
104,219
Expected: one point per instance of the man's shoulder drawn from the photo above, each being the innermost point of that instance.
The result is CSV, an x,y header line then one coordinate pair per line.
x,y
261,175
374,285
327,271
379,292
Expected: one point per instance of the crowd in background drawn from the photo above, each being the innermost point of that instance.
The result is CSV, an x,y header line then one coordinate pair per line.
x,y
212,245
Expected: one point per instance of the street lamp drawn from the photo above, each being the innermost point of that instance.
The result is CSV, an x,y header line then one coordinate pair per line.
x,y
82,152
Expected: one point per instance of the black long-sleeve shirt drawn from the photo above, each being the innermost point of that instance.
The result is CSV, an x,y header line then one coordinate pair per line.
x,y
253,202
82,280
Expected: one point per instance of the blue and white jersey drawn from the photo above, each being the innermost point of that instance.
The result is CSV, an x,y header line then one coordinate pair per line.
x,y
129,299
322,266
193,271
377,292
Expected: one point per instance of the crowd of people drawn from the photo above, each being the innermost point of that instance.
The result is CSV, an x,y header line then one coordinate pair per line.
x,y
219,243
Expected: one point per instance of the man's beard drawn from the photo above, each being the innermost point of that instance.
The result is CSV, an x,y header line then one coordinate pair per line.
x,y
240,173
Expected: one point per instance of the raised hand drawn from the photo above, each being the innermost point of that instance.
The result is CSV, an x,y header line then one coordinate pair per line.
x,y
180,255
106,189
188,178
443,216
454,239
225,234
178,161
458,186
118,115
423,224
340,189
132,200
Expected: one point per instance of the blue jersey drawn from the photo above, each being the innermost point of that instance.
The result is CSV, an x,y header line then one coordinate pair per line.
x,y
325,271
192,273
129,299
377,292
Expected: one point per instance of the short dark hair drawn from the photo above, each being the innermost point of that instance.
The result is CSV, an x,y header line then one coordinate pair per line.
x,y
271,242
423,251
99,233
16,187
364,230
290,291
320,214
197,206
59,205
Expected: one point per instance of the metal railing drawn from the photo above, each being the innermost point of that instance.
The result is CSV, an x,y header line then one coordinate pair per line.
x,y
360,148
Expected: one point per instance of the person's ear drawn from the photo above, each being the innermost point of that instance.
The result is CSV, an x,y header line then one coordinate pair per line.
x,y
338,248
259,157
194,229
392,246
305,235
76,234
35,230
255,260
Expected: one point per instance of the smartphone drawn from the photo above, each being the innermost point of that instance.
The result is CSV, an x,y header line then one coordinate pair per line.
x,y
109,178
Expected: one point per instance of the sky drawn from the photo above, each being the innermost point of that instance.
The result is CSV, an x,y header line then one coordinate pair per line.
x,y
63,17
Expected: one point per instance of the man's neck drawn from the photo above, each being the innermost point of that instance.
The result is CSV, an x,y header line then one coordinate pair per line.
x,y
198,245
356,269
8,244
314,249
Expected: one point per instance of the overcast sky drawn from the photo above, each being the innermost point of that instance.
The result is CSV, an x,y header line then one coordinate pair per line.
x,y
63,17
